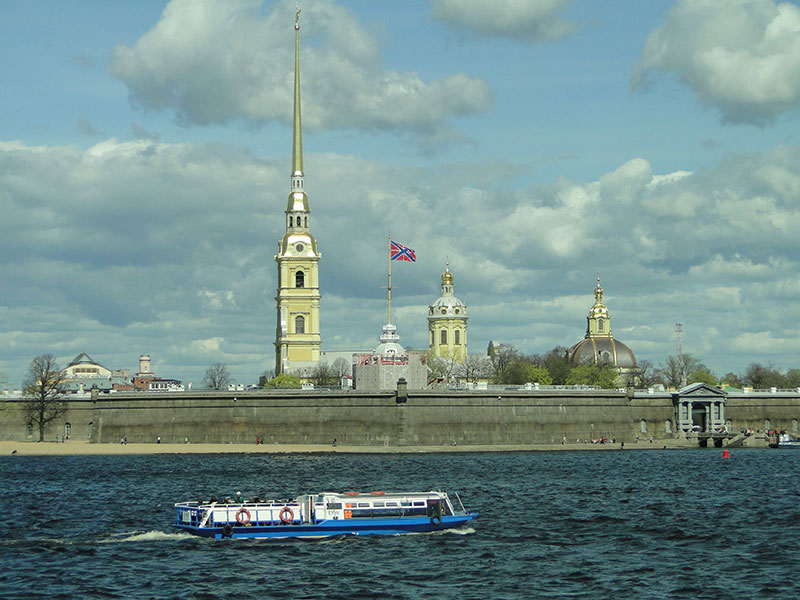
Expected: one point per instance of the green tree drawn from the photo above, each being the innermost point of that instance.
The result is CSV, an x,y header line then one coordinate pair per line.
x,y
557,365
502,356
732,379
703,374
792,378
602,376
217,377
283,381
44,402
760,377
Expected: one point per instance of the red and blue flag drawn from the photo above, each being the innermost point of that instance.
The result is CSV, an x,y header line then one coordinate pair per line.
x,y
400,252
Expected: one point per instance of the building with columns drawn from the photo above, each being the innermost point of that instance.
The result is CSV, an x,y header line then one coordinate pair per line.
x,y
599,347
447,323
297,338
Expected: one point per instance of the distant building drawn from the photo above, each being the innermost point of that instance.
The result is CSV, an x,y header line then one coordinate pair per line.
x,y
146,380
447,323
599,347
83,374
381,369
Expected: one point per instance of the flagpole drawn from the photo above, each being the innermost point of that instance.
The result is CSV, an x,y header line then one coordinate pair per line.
x,y
389,287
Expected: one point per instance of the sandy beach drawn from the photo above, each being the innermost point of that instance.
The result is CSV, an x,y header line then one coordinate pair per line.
x,y
85,448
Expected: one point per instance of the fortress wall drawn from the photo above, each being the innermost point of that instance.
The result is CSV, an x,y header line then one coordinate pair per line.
x,y
427,418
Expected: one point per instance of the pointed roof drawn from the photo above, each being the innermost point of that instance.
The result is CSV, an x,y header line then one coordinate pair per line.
x,y
82,358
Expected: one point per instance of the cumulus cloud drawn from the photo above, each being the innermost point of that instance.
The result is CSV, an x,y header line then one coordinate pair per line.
x,y
741,57
167,249
219,61
533,20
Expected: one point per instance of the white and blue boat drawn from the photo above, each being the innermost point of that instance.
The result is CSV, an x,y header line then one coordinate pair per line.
x,y
323,515
785,440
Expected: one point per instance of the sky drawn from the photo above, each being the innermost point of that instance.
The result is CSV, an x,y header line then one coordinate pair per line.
x,y
145,154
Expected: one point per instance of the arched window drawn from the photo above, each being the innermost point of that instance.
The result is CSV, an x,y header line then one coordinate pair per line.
x,y
306,222
457,340
600,325
299,324
443,338
299,279
290,221
643,426
67,430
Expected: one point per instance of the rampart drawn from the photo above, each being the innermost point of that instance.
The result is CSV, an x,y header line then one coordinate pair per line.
x,y
425,418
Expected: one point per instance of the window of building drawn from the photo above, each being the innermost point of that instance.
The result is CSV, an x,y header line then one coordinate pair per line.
x,y
290,221
299,279
600,325
457,334
643,426
306,222
432,338
443,337
299,324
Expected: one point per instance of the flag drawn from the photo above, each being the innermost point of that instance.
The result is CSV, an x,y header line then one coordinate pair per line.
x,y
400,252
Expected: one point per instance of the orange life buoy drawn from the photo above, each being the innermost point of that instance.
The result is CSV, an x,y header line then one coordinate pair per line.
x,y
286,515
377,493
351,493
243,516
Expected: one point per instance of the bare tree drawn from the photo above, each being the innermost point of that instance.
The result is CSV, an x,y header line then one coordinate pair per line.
x,y
217,377
677,370
477,366
341,367
323,375
44,401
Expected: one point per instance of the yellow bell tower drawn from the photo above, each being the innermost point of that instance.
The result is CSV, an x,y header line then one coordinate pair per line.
x,y
297,340
447,323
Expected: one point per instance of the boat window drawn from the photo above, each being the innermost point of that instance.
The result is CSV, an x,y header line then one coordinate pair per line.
x,y
363,504
419,503
391,504
377,504
334,505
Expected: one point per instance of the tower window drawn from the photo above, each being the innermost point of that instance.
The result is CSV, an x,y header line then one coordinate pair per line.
x,y
306,221
299,324
443,338
290,221
432,338
457,335
299,279
600,325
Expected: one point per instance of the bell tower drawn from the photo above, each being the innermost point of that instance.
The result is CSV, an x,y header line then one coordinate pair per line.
x,y
598,321
297,339
447,323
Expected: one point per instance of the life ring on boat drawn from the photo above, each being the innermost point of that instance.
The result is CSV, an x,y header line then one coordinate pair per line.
x,y
286,515
227,531
377,493
351,493
243,516
436,520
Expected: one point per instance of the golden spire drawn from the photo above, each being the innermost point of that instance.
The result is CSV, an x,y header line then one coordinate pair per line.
x,y
297,149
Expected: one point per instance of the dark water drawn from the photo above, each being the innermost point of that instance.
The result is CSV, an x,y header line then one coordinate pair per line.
x,y
656,524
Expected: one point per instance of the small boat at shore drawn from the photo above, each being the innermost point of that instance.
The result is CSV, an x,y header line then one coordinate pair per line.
x,y
784,440
323,515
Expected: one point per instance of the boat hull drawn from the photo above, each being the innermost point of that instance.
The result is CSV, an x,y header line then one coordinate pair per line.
x,y
332,527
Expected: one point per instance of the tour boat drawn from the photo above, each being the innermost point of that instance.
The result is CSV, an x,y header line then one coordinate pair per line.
x,y
323,515
785,440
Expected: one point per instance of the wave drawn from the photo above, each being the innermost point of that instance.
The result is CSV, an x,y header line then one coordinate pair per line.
x,y
146,536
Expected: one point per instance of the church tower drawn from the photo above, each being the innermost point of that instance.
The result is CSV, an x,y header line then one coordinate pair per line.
x,y
297,340
447,323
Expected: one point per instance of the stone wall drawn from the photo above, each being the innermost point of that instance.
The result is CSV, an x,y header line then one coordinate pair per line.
x,y
377,418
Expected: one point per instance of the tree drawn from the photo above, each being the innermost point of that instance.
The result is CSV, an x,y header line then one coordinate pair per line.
x,y
792,378
676,370
601,376
323,375
703,374
760,377
477,366
41,388
502,355
648,377
217,377
283,381
732,379
557,365
341,367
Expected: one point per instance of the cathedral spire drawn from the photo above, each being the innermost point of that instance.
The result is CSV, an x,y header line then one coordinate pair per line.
x,y
297,146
